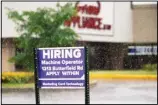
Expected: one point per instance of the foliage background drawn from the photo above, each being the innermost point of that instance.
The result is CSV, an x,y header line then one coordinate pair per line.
x,y
41,28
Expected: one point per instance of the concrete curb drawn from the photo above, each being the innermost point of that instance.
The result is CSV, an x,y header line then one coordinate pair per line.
x,y
103,76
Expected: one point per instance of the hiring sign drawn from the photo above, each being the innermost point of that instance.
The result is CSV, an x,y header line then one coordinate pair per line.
x,y
61,67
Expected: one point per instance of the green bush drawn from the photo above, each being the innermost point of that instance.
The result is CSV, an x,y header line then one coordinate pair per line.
x,y
150,67
17,77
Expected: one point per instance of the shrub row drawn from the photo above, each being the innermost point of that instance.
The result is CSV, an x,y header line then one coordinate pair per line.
x,y
17,77
150,67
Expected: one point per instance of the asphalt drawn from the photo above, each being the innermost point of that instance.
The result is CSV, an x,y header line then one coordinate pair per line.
x,y
103,92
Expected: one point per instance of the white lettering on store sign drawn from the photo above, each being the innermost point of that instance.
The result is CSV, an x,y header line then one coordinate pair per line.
x,y
143,50
155,50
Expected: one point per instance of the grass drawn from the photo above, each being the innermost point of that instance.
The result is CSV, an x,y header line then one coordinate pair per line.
x,y
11,85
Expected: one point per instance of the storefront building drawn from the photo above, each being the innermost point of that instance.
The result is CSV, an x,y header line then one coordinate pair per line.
x,y
144,36
107,28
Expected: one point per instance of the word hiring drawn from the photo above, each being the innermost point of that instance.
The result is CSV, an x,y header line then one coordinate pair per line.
x,y
61,53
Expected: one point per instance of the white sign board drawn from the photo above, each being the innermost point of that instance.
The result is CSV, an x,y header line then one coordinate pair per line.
x,y
96,22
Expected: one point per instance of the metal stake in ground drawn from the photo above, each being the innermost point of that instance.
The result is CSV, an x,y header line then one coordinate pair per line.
x,y
36,77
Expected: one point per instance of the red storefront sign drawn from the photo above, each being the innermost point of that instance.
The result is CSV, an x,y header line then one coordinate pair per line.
x,y
88,22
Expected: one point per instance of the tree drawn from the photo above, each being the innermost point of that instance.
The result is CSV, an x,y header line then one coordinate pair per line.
x,y
41,28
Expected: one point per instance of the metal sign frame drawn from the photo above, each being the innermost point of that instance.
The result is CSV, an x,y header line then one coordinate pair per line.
x,y
36,78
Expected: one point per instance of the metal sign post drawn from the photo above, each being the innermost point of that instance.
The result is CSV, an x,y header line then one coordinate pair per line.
x,y
37,98
87,98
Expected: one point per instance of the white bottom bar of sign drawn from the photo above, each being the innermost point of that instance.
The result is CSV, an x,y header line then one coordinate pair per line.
x,y
62,87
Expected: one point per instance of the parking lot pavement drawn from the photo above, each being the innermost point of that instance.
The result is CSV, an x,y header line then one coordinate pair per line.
x,y
105,92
